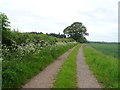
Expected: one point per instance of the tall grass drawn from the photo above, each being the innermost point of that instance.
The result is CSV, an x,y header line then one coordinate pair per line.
x,y
104,67
66,78
16,72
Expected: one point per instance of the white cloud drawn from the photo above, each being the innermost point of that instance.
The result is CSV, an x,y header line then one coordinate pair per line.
x,y
99,16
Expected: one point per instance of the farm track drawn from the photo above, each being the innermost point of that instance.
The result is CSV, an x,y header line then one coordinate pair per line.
x,y
45,78
85,77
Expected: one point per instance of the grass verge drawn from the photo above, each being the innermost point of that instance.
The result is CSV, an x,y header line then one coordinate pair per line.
x,y
104,67
17,72
66,78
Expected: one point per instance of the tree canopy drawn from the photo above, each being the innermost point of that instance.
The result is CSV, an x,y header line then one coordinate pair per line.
x,y
57,35
4,23
5,29
77,31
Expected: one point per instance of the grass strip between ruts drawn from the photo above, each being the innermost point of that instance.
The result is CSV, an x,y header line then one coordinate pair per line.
x,y
67,77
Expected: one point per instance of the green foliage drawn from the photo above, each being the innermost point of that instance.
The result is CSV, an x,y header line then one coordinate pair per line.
x,y
65,40
66,78
16,70
5,26
25,38
109,49
104,67
76,31
4,21
20,38
57,35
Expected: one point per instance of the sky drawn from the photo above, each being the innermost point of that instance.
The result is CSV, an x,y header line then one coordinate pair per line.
x,y
100,17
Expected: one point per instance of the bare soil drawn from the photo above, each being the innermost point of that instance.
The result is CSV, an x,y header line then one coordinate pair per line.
x,y
45,78
85,77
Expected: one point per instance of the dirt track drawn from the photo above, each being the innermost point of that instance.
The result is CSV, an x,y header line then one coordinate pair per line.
x,y
45,79
85,77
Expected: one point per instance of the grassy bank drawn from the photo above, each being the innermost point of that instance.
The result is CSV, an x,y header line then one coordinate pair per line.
x,y
16,72
104,67
66,78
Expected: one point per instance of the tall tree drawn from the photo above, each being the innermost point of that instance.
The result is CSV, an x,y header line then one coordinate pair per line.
x,y
77,31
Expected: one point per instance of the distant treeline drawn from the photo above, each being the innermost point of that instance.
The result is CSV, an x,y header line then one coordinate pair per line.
x,y
50,34
102,42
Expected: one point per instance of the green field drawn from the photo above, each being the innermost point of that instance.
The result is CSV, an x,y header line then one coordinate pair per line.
x,y
109,49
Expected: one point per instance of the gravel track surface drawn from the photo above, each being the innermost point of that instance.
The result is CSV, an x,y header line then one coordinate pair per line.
x,y
85,77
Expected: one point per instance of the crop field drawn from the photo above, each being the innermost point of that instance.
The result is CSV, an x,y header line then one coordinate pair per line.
x,y
109,49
